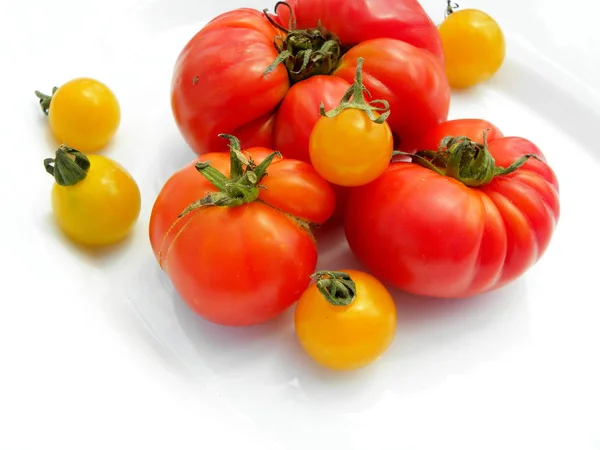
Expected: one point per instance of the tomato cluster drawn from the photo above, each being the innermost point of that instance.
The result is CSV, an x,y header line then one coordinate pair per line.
x,y
319,112
340,109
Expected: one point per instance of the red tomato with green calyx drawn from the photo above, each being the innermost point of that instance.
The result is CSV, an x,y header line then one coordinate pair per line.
x,y
458,221
234,239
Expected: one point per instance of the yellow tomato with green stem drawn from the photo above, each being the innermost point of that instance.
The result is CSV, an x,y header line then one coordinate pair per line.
x,y
83,114
345,320
352,144
95,201
474,46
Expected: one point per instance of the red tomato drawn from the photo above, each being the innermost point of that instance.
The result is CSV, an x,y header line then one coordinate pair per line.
x,y
433,235
219,83
471,128
244,264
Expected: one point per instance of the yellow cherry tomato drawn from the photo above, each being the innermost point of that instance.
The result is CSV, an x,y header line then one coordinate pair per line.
x,y
83,114
95,201
346,320
473,45
353,144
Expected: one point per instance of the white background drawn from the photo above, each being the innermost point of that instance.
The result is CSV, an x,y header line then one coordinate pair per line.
x,y
80,369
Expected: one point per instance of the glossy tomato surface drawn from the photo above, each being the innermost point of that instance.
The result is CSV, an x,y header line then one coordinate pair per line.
x,y
472,128
473,45
351,336
218,84
102,208
431,235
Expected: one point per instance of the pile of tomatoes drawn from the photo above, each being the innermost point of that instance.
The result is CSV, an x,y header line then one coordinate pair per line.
x,y
337,112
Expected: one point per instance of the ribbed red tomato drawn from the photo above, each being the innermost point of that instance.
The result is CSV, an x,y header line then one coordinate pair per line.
x,y
464,224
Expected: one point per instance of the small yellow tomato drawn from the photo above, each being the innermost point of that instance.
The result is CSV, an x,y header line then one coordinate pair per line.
x,y
353,144
83,114
346,320
95,201
473,45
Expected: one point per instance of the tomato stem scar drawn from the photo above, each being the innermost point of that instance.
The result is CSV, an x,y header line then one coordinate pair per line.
x,y
338,288
68,167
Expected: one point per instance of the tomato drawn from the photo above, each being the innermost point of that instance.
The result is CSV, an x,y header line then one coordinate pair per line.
x,y
352,144
237,253
474,129
473,45
234,74
350,328
83,114
218,83
95,201
460,226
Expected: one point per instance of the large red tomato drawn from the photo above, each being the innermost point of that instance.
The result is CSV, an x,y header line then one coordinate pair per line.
x,y
245,253
461,229
219,83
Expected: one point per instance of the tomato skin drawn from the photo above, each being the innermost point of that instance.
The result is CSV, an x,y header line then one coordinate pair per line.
x,y
431,235
307,195
468,127
84,114
473,45
240,265
218,84
410,79
300,111
262,270
350,149
102,208
361,20
347,337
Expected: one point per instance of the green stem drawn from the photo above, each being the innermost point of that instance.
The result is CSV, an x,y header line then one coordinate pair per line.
x,y
68,167
243,184
304,53
451,7
338,288
355,98
469,162
45,100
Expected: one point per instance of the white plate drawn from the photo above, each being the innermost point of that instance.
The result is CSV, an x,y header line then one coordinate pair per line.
x,y
81,334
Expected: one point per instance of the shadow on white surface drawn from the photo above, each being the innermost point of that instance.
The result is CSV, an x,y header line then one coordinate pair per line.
x,y
436,339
